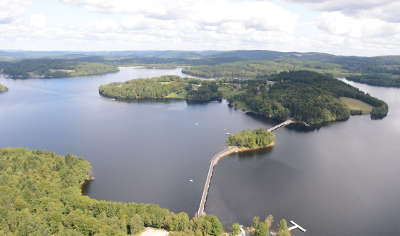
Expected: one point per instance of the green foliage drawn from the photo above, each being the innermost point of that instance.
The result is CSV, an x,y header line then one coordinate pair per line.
x,y
165,87
3,88
283,229
55,68
382,79
208,91
235,229
251,138
40,195
303,95
208,225
262,228
254,69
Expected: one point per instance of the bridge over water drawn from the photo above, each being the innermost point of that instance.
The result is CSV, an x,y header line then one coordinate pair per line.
x,y
214,161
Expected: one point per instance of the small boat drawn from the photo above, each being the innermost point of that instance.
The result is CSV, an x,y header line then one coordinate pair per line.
x,y
191,180
228,133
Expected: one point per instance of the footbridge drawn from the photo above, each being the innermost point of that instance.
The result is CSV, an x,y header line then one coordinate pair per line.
x,y
214,161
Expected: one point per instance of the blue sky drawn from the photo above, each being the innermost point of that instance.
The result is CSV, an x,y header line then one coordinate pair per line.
x,y
345,27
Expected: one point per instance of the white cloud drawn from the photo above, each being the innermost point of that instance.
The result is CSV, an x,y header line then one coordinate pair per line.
x,y
11,10
387,10
367,27
38,21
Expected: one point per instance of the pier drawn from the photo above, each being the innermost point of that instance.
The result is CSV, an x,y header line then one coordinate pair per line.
x,y
214,161
283,124
227,151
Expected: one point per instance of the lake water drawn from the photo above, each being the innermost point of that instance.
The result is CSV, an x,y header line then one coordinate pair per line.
x,y
342,179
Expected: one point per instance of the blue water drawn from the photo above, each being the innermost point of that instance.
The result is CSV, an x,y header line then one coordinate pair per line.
x,y
339,180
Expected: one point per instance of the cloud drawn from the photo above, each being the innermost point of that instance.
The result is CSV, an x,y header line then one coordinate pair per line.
x,y
386,10
217,21
11,10
335,26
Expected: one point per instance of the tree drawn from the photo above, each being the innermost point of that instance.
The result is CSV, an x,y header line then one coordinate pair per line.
x,y
235,229
283,229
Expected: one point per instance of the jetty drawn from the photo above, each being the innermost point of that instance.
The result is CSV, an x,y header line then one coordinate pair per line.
x,y
214,161
295,226
227,151
283,124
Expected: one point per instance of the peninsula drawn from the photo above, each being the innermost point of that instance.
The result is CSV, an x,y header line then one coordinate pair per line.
x,y
163,88
303,96
40,194
55,68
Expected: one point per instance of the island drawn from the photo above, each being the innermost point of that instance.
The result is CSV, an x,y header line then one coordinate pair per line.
x,y
40,194
248,140
163,88
3,88
55,68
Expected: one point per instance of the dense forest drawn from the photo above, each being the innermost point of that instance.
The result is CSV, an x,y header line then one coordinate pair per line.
x,y
305,96
3,88
382,79
165,87
302,95
258,138
254,69
40,194
54,68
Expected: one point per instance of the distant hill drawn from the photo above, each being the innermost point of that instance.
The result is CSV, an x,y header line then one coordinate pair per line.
x,y
381,71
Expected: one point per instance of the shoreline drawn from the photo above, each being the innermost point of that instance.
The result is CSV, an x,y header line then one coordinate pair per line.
x,y
236,149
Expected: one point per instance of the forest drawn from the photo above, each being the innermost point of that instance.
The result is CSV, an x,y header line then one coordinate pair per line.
x,y
3,88
305,96
379,71
40,194
382,79
54,68
252,139
254,69
165,87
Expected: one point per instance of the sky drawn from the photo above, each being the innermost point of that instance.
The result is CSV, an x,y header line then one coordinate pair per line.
x,y
342,27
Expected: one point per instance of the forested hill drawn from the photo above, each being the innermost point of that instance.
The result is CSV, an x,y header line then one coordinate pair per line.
x,y
381,71
54,68
40,194
165,87
303,95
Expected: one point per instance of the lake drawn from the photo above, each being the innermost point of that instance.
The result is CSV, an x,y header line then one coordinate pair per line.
x,y
339,180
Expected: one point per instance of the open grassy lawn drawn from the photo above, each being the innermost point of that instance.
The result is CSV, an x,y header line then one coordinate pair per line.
x,y
357,105
175,95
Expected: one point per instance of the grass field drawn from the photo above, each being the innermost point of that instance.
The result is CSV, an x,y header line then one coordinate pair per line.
x,y
175,95
357,105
